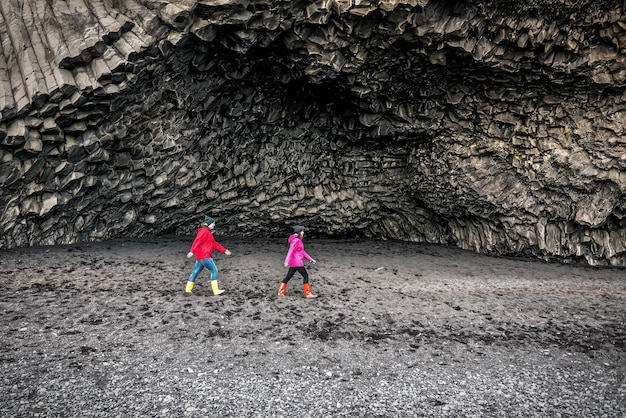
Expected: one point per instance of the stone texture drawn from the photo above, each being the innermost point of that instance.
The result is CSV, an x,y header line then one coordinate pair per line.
x,y
494,126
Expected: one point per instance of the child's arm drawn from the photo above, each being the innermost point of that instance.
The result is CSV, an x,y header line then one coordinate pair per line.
x,y
194,245
291,247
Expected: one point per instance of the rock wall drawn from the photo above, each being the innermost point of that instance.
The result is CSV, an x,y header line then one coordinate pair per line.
x,y
494,126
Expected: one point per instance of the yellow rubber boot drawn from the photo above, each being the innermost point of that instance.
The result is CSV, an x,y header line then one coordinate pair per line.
x,y
189,287
216,289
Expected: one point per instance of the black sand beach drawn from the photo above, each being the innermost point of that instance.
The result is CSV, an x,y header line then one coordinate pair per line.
x,y
399,330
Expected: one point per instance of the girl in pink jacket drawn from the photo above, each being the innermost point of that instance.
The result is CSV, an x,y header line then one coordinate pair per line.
x,y
295,262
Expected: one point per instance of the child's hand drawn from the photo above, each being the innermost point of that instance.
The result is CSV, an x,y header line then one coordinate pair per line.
x,y
189,254
313,261
286,264
227,252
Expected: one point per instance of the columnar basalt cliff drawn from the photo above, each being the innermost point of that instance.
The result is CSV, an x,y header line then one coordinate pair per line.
x,y
494,126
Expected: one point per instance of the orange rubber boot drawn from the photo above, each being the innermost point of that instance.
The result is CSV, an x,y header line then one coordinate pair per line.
x,y
281,289
307,291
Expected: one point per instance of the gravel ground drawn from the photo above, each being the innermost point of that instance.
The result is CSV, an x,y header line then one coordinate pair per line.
x,y
399,330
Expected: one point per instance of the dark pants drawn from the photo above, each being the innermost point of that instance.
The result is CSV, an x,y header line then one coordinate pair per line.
x,y
292,271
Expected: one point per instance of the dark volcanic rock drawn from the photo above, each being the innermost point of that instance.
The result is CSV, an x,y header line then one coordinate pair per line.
x,y
494,126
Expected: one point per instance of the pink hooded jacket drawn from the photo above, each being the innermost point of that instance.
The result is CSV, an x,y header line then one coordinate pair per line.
x,y
296,252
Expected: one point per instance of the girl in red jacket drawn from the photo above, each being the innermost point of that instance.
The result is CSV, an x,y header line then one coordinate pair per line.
x,y
203,247
295,261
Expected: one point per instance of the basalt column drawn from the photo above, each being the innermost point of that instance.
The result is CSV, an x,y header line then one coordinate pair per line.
x,y
493,126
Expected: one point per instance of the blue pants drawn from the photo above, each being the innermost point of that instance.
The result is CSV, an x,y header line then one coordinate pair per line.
x,y
204,263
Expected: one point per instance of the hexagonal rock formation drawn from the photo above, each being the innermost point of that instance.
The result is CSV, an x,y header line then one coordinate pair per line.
x,y
494,126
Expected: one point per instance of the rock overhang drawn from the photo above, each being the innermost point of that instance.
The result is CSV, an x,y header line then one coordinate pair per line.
x,y
495,128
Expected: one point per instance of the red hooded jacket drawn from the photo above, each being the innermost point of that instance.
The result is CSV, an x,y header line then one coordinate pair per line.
x,y
204,244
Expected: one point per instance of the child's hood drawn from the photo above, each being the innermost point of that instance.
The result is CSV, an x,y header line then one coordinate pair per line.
x,y
292,238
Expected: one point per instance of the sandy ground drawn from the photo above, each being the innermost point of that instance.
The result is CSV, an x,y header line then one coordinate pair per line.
x,y
399,330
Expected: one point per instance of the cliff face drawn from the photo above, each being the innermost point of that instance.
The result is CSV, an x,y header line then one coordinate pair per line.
x,y
494,126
